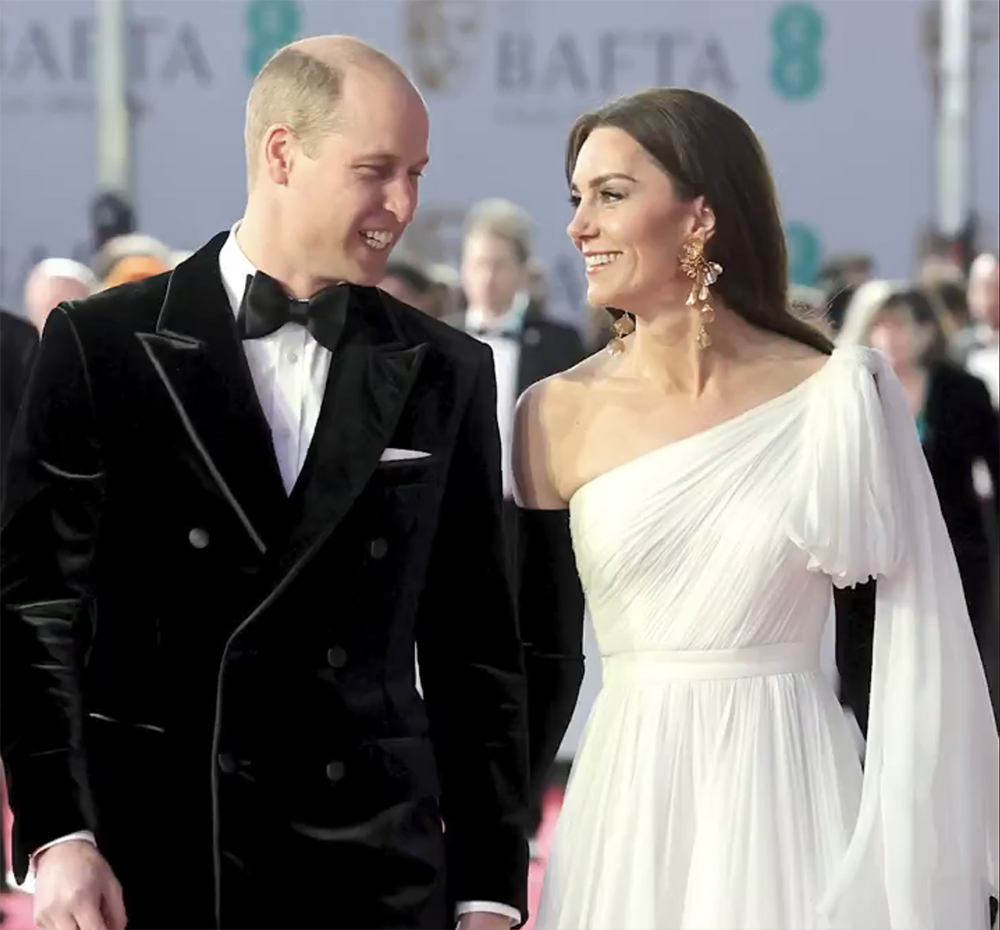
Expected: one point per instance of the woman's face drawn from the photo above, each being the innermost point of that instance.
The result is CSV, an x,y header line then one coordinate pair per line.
x,y
898,336
628,222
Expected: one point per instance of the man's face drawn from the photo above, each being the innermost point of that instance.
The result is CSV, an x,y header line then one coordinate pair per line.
x,y
491,272
346,207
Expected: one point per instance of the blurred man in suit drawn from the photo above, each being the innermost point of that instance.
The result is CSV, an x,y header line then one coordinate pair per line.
x,y
496,278
498,281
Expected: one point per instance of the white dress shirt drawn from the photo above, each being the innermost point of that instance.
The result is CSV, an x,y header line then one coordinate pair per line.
x,y
502,334
289,369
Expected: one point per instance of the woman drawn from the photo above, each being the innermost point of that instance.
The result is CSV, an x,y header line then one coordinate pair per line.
x,y
956,422
722,471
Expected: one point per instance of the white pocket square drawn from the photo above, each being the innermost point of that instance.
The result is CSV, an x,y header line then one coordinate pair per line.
x,y
402,455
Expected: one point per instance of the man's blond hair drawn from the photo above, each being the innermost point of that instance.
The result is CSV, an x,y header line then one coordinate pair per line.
x,y
504,220
300,87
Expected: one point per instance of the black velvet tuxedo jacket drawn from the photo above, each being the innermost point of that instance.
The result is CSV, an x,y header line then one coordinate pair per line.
x,y
217,678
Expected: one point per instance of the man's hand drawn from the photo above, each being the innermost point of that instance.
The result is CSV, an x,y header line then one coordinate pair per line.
x,y
75,888
480,920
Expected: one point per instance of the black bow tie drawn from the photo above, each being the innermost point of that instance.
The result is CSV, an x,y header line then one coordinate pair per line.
x,y
266,308
485,332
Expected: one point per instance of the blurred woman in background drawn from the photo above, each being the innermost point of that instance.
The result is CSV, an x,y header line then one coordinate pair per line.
x,y
956,422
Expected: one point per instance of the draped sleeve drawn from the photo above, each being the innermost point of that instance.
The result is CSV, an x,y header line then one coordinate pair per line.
x,y
865,506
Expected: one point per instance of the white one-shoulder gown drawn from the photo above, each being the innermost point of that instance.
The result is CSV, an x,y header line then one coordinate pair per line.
x,y
718,786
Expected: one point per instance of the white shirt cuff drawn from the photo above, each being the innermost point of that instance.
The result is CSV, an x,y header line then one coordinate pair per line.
x,y
488,907
84,835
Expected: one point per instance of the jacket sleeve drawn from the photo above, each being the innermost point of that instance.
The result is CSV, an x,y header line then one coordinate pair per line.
x,y
54,497
472,669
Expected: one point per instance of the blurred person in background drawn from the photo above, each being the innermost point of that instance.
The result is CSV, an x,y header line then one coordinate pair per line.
x,y
527,347
501,311
980,343
538,284
53,281
131,246
943,279
134,268
111,215
956,423
724,468
406,280
839,277
271,482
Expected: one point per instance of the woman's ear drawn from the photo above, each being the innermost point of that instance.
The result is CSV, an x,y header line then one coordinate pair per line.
x,y
704,218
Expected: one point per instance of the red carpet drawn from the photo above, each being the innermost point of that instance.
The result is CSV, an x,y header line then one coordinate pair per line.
x,y
550,814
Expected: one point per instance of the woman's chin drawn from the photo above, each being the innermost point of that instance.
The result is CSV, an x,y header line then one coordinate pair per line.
x,y
600,295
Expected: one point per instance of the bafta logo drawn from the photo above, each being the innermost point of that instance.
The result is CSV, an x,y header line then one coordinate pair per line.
x,y
438,34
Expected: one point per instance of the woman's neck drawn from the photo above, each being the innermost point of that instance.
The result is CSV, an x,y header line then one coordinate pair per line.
x,y
665,351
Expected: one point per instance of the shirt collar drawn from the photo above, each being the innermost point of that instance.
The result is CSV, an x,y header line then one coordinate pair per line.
x,y
511,322
235,268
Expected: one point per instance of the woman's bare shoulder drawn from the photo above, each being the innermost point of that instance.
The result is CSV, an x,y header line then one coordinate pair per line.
x,y
547,415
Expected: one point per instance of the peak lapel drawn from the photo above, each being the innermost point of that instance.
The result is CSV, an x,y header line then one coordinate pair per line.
x,y
371,375
197,353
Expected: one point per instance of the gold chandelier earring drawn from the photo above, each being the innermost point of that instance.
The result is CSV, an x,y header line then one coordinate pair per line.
x,y
703,275
623,326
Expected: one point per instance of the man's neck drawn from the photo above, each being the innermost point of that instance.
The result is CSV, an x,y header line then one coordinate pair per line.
x,y
261,242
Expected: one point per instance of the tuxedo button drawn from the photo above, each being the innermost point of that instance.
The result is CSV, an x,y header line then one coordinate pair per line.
x,y
532,336
378,548
227,764
198,538
336,657
335,771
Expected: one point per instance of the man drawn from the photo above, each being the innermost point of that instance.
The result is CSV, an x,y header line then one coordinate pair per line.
x,y
53,281
496,276
496,279
232,515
